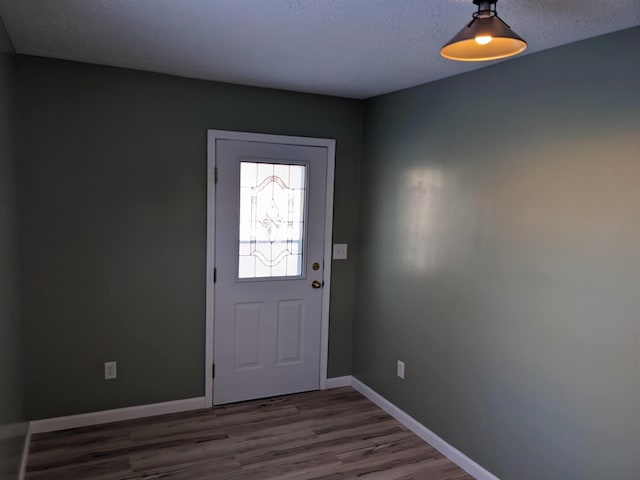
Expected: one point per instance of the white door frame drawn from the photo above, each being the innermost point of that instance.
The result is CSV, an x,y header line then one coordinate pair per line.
x,y
212,137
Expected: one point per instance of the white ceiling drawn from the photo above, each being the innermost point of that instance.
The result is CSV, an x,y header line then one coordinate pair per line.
x,y
350,48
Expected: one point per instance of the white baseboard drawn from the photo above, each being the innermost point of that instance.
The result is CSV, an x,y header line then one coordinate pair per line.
x,y
106,416
449,451
337,382
25,454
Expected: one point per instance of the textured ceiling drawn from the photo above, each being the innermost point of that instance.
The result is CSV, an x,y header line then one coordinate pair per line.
x,y
350,48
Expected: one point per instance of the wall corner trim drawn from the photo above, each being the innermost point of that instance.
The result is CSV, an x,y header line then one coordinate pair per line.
x,y
449,451
115,415
337,382
25,454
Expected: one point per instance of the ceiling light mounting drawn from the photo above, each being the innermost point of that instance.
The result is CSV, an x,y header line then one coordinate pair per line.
x,y
486,37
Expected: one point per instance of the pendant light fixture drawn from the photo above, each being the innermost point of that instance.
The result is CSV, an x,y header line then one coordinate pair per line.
x,y
487,37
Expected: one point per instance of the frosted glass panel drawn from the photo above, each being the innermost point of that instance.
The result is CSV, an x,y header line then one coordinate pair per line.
x,y
271,230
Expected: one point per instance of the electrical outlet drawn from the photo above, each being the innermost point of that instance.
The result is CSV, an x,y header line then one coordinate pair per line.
x,y
110,370
400,369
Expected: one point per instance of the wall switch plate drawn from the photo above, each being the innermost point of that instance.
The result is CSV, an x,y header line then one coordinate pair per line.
x,y
110,370
400,369
339,251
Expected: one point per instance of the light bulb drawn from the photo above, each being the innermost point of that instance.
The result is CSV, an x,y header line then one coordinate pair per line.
x,y
483,39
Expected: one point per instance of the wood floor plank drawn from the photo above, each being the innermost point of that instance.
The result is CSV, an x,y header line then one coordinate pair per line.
x,y
330,435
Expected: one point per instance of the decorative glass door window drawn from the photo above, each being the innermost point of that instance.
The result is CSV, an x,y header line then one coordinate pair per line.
x,y
272,220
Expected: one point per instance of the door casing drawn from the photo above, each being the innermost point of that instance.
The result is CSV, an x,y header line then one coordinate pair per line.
x,y
212,137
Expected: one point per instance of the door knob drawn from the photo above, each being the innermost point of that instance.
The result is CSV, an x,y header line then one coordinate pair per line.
x,y
316,284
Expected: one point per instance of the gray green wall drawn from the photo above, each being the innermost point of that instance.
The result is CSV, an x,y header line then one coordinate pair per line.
x,y
112,184
499,257
12,425
497,246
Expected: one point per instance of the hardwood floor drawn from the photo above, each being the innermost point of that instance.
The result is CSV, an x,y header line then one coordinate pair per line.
x,y
332,434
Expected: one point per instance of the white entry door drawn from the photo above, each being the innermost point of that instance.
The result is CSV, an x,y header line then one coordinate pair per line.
x,y
269,249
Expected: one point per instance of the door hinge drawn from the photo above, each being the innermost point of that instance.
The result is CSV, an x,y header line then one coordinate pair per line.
x,y
215,275
215,175
213,370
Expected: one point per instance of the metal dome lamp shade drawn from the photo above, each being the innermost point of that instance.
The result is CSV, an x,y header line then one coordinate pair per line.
x,y
487,37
